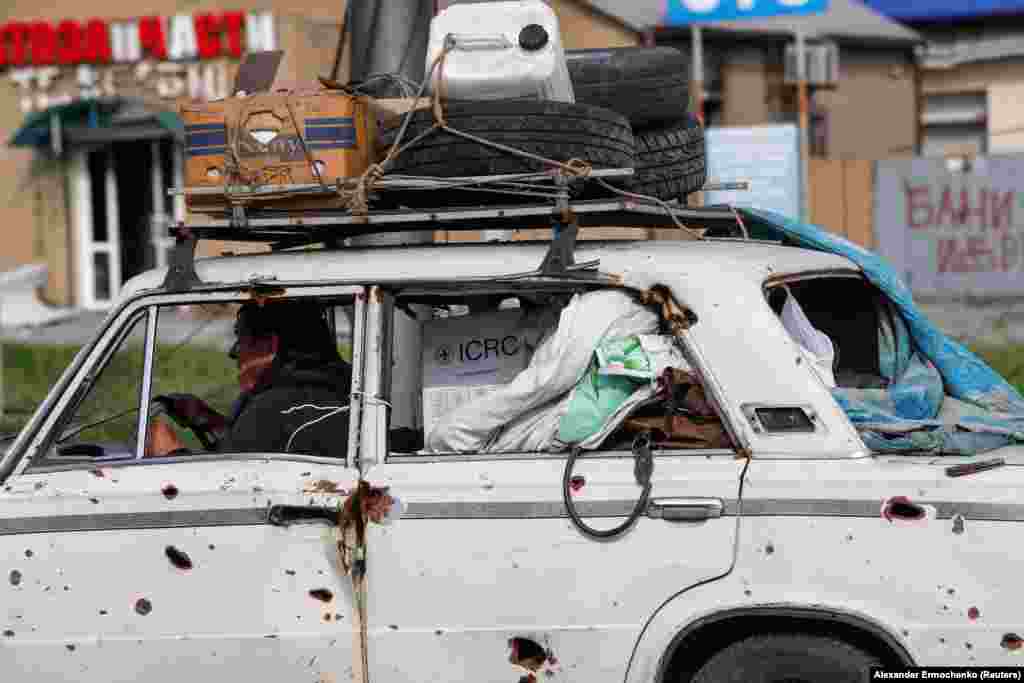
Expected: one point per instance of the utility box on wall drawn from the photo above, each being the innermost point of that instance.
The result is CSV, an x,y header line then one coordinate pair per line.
x,y
821,62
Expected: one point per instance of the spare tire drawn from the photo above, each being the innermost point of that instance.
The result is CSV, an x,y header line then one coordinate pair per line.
x,y
555,130
670,160
647,85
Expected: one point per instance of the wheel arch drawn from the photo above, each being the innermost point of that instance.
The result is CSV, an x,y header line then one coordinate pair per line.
x,y
710,633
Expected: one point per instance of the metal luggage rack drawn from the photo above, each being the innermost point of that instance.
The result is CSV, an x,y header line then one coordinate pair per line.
x,y
544,207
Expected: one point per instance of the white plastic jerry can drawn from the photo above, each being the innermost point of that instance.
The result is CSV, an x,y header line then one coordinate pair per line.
x,y
499,50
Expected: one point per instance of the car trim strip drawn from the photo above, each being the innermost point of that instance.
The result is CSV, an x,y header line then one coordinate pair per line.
x,y
991,512
169,519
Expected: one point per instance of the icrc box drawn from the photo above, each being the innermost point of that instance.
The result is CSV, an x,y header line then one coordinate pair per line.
x,y
468,356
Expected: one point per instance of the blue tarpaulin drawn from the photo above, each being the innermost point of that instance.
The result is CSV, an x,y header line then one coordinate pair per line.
x,y
943,10
923,367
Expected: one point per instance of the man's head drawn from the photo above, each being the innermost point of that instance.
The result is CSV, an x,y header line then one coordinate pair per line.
x,y
266,332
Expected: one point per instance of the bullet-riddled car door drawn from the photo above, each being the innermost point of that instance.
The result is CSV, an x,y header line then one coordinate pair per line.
x,y
170,568
485,557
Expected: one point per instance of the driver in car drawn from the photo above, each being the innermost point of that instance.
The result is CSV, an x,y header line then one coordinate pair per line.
x,y
294,390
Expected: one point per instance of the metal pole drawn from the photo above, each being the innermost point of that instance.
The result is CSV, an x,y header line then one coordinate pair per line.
x,y
697,76
803,104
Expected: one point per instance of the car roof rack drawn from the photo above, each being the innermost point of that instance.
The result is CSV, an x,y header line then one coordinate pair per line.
x,y
284,228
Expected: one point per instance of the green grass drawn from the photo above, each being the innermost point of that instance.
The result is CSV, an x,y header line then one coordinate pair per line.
x,y
30,371
1008,361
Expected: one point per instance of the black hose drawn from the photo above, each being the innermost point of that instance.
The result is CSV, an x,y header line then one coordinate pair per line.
x,y
339,52
642,470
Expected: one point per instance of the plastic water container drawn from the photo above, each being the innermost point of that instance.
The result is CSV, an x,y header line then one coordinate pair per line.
x,y
500,50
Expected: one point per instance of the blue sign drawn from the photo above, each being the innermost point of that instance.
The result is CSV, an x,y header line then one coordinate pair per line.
x,y
682,12
767,156
941,10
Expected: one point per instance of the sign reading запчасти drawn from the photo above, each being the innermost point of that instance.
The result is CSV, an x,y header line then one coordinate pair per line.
x,y
679,12
56,63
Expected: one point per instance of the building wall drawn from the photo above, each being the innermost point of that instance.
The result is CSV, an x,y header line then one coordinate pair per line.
x,y
1003,82
873,112
583,28
754,92
745,88
33,195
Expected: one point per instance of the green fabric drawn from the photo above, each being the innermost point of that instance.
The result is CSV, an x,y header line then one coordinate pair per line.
x,y
624,357
618,369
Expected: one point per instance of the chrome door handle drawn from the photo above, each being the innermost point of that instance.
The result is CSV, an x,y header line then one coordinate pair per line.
x,y
686,509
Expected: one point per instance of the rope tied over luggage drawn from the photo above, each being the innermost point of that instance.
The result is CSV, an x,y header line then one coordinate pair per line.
x,y
354,193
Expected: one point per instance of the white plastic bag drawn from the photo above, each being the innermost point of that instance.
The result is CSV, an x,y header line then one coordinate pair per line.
x,y
814,345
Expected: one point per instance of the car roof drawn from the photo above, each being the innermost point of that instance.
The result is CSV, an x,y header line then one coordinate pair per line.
x,y
699,261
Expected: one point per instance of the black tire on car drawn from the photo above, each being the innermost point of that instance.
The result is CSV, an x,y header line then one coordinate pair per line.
x,y
647,85
788,658
670,160
559,131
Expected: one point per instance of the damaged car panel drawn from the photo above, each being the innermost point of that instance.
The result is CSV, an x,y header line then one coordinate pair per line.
x,y
126,557
497,425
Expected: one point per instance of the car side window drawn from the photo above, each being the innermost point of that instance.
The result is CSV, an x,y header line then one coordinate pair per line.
x,y
866,339
104,424
218,377
537,371
257,377
191,358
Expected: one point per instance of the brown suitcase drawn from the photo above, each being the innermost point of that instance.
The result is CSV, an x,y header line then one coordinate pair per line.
x,y
275,139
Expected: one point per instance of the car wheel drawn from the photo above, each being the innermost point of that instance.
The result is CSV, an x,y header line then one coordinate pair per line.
x,y
554,130
670,160
647,85
787,658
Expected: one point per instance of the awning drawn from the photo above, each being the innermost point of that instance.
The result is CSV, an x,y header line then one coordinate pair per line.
x,y
96,122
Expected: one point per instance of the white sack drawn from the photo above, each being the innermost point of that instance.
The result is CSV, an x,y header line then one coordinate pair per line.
x,y
557,365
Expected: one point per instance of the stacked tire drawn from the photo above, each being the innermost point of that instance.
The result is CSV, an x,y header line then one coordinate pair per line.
x,y
630,112
649,87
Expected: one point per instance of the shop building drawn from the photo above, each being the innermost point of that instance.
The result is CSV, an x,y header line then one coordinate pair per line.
x,y
972,74
858,58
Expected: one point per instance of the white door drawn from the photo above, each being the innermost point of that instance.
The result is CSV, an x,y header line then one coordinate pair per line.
x,y
168,569
96,227
99,215
485,554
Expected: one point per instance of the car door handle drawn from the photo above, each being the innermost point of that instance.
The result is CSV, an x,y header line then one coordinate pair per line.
x,y
287,515
685,509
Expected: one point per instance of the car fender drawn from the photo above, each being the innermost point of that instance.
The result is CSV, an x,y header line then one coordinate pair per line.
x,y
703,604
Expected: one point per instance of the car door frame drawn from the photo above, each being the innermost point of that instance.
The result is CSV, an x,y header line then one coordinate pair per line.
x,y
377,460
27,491
91,360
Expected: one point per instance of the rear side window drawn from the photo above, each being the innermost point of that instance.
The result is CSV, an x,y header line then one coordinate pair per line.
x,y
866,332
521,371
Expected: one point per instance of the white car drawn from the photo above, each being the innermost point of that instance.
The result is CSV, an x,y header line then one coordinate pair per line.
x,y
797,555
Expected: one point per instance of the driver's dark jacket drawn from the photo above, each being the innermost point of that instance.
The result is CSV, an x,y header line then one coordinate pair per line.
x,y
287,406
